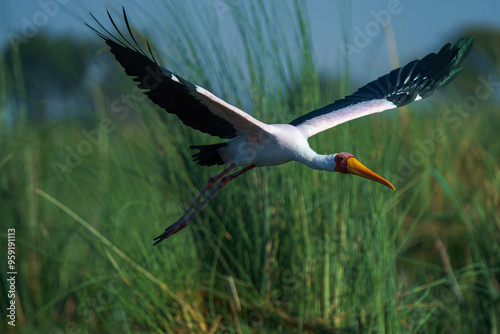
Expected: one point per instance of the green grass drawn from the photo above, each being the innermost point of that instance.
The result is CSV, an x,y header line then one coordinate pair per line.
x,y
280,250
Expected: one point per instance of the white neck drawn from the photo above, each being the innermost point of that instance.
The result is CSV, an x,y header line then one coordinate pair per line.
x,y
319,161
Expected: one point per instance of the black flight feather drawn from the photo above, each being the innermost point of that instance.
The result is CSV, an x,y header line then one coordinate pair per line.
x,y
402,86
160,86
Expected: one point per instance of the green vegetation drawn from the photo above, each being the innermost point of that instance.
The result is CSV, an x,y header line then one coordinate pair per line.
x,y
282,249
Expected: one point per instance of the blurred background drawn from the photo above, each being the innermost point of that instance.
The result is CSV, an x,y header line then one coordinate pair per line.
x,y
91,172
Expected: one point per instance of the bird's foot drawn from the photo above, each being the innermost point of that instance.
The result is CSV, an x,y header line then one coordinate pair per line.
x,y
172,229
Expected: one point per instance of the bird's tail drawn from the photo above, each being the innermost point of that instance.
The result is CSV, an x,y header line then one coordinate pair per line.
x,y
208,155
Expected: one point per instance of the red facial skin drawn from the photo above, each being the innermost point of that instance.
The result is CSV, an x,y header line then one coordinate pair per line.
x,y
341,162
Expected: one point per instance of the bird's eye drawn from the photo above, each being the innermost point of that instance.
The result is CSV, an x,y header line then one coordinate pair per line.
x,y
341,158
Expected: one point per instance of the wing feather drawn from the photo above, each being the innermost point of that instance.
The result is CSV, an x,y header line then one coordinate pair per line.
x,y
417,80
195,106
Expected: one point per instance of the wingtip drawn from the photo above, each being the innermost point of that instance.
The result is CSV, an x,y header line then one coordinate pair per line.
x,y
470,39
465,43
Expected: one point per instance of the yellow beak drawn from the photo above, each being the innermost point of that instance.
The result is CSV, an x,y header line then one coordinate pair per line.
x,y
356,167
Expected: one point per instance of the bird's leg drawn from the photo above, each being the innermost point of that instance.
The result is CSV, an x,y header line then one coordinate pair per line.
x,y
210,183
219,186
183,221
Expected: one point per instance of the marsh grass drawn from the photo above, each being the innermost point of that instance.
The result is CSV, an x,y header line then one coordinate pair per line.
x,y
282,249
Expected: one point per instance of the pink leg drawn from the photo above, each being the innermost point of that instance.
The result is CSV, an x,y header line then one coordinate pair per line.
x,y
183,221
210,183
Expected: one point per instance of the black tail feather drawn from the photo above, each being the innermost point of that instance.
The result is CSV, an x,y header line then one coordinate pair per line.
x,y
208,154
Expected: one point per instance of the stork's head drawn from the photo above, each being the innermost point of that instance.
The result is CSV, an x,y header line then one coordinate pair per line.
x,y
346,163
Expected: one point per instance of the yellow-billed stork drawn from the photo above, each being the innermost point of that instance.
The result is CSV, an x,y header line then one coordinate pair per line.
x,y
252,143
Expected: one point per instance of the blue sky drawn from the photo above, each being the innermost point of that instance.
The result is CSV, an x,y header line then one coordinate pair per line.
x,y
419,27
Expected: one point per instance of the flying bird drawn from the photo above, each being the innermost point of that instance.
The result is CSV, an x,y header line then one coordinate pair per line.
x,y
250,143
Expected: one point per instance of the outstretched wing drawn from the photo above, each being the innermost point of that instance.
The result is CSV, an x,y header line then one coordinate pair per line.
x,y
417,80
195,106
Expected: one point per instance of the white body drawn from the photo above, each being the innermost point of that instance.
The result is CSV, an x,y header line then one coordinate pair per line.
x,y
275,144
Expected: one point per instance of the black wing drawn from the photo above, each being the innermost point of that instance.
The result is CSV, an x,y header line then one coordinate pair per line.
x,y
195,106
417,80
